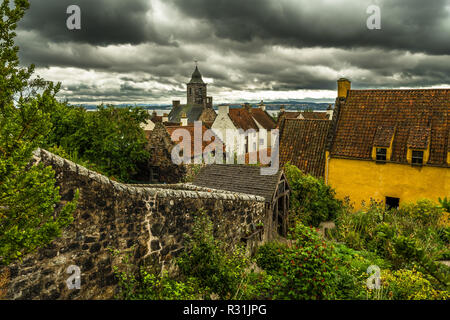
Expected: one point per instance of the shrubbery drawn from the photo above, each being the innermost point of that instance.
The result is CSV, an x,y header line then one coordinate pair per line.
x,y
30,211
407,284
413,235
109,141
205,259
311,200
304,269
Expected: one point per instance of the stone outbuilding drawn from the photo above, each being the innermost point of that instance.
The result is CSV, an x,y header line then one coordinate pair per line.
x,y
248,179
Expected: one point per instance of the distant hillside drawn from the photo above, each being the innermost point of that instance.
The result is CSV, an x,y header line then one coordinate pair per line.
x,y
270,105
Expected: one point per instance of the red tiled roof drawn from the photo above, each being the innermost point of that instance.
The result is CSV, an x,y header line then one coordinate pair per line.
x,y
311,115
190,129
307,115
242,119
303,144
290,115
383,136
420,117
263,118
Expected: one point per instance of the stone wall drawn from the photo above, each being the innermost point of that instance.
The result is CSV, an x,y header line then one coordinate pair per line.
x,y
144,222
160,146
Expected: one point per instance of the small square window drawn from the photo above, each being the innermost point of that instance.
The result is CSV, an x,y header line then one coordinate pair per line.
x,y
417,157
392,203
381,154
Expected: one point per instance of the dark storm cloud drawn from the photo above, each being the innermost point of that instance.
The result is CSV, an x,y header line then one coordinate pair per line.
x,y
414,25
143,50
103,22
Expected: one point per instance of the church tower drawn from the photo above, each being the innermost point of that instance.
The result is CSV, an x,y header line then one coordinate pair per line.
x,y
196,89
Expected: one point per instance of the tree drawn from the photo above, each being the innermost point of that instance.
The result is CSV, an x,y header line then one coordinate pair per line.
x,y
109,140
29,213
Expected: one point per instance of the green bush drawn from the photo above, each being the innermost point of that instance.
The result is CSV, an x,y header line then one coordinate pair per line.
x,y
423,211
407,284
351,275
304,269
411,235
148,285
30,212
207,260
269,256
109,140
311,200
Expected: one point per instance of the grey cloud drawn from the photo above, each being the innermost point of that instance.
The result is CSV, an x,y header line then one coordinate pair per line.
x,y
103,22
412,25
283,44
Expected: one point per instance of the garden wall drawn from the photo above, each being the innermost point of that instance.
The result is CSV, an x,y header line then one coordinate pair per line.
x,y
146,223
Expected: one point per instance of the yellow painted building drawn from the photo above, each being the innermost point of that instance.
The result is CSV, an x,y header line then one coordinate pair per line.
x,y
389,145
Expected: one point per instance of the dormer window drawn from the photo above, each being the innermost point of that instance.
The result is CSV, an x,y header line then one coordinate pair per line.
x,y
381,154
382,143
417,157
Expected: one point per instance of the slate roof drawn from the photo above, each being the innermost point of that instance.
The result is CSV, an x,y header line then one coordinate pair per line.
x,y
238,178
263,118
196,77
303,144
420,118
193,113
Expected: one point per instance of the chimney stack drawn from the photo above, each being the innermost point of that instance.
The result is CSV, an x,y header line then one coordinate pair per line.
x,y
184,119
344,85
262,106
224,109
175,103
330,111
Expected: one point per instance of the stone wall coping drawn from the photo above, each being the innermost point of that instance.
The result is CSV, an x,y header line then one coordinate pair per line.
x,y
182,190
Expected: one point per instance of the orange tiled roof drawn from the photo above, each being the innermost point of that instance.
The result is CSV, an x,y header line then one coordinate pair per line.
x,y
311,115
307,115
190,129
263,118
420,118
303,144
242,119
383,136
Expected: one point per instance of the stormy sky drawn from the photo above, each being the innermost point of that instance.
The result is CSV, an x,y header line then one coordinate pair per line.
x,y
143,51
